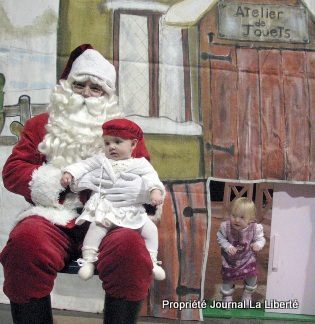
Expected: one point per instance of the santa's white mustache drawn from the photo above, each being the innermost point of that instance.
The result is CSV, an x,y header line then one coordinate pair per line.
x,y
75,102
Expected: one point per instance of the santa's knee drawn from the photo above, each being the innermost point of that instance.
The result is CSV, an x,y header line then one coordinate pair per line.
x,y
30,246
125,261
23,245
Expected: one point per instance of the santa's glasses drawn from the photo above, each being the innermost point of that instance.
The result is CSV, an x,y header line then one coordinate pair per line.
x,y
87,89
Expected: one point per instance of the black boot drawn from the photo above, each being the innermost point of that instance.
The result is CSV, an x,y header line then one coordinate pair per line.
x,y
121,311
37,311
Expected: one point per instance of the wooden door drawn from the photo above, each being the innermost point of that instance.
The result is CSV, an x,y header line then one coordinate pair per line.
x,y
183,243
258,110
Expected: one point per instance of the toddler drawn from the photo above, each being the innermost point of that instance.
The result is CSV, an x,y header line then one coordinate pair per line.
x,y
121,136
240,238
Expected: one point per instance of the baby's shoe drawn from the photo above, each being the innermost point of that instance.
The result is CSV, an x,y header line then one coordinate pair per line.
x,y
86,269
247,295
158,271
86,263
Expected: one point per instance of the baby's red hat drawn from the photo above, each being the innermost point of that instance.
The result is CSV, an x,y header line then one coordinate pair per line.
x,y
127,129
123,128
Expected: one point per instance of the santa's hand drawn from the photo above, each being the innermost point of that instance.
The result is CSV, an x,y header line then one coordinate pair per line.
x,y
128,190
93,181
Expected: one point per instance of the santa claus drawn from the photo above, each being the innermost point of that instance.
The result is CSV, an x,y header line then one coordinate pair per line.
x,y
45,237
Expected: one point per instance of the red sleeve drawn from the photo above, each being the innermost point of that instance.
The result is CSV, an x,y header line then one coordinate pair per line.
x,y
25,157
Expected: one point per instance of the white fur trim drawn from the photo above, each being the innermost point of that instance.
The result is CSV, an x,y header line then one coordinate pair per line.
x,y
58,216
158,214
72,201
45,189
45,186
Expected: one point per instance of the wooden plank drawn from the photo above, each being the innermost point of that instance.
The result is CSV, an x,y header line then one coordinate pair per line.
x,y
205,96
207,118
223,89
263,199
249,158
187,67
181,201
192,230
310,73
168,254
296,115
272,115
154,65
116,32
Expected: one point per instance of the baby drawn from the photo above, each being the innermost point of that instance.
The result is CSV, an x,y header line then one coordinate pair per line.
x,y
121,137
240,238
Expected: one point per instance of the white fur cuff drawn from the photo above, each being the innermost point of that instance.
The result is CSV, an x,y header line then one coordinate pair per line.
x,y
45,186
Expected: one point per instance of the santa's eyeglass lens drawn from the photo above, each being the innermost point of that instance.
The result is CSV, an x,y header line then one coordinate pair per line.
x,y
95,89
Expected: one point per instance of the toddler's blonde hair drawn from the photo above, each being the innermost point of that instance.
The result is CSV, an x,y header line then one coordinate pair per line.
x,y
244,206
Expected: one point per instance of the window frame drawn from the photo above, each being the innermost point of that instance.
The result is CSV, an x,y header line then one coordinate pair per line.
x,y
153,24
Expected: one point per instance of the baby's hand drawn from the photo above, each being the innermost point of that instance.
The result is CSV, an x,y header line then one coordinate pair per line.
x,y
255,247
156,197
66,179
232,250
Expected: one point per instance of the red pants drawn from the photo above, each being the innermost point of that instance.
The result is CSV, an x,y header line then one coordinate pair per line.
x,y
37,250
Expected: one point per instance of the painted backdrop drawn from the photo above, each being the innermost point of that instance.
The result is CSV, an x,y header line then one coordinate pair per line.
x,y
223,90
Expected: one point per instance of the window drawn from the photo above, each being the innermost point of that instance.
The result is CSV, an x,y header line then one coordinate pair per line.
x,y
153,71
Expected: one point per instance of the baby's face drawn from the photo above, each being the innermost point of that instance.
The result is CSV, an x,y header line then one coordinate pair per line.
x,y
239,222
117,148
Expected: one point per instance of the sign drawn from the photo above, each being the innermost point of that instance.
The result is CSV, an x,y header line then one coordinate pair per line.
x,y
263,23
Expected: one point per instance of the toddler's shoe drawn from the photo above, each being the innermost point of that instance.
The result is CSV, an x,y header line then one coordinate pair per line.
x,y
227,297
247,295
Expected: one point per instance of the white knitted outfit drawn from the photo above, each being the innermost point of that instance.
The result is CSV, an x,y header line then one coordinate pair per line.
x,y
102,215
98,209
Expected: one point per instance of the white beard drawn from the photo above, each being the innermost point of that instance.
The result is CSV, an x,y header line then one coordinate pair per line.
x,y
74,129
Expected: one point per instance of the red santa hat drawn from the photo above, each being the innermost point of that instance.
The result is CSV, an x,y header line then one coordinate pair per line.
x,y
127,129
84,60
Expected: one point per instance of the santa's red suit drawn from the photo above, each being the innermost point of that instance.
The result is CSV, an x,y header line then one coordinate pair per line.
x,y
45,237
